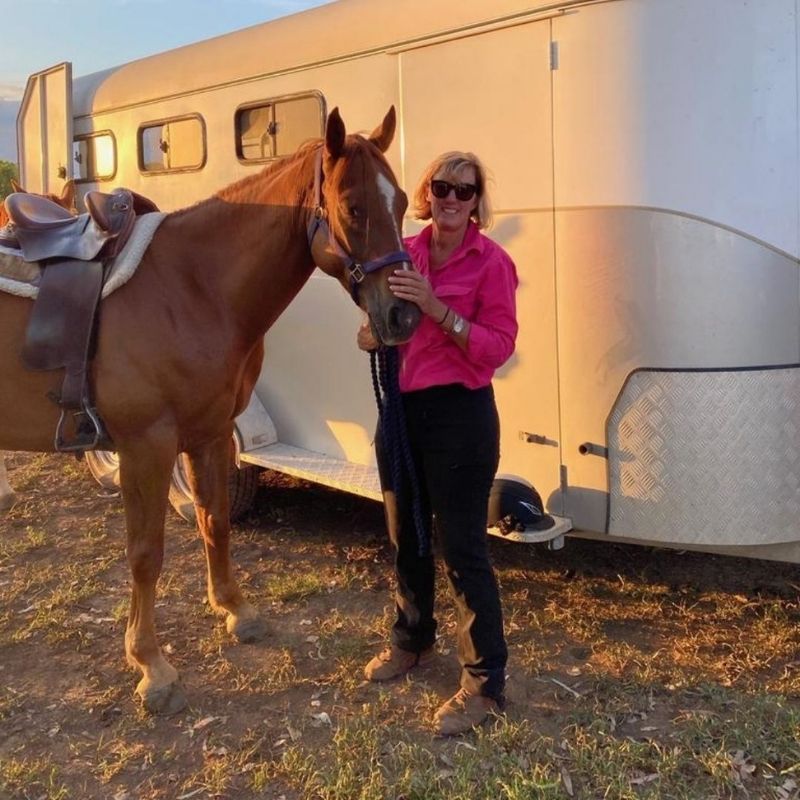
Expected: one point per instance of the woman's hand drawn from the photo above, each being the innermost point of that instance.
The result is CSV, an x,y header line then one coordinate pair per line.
x,y
365,338
408,284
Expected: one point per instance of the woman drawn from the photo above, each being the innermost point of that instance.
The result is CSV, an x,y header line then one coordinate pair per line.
x,y
464,283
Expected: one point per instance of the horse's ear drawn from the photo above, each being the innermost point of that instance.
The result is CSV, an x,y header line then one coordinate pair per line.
x,y
68,194
382,136
16,186
334,134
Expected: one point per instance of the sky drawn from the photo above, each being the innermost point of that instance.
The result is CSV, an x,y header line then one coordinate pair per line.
x,y
96,34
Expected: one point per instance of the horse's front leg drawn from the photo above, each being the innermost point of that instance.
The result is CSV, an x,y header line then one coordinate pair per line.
x,y
7,496
208,466
145,469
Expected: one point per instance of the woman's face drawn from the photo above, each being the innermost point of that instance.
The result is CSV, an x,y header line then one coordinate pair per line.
x,y
449,214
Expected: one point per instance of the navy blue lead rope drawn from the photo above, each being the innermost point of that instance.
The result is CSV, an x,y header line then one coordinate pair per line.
x,y
394,435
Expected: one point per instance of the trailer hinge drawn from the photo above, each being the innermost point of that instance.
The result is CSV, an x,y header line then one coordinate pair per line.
x,y
553,55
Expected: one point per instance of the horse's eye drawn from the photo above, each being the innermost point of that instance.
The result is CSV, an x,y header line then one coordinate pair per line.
x,y
354,211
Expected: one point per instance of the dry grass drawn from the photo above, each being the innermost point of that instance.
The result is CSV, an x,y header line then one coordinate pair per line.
x,y
632,675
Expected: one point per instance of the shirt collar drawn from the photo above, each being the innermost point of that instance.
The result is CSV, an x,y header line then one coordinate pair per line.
x,y
473,242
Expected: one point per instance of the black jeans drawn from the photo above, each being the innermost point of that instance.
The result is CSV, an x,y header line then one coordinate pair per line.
x,y
453,433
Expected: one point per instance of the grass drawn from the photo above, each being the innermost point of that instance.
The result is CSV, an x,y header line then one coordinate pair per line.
x,y
31,540
706,756
35,778
633,675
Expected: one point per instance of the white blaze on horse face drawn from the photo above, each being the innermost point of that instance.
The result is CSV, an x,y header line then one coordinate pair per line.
x,y
389,193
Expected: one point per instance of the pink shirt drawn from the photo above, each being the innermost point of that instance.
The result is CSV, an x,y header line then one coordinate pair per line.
x,y
478,282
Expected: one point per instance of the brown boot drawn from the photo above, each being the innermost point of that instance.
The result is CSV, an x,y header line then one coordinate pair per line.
x,y
394,662
463,712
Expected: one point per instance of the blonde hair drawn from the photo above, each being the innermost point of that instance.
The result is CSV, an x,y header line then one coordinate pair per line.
x,y
448,166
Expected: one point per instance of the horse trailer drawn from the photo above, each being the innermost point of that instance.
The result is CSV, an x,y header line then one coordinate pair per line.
x,y
645,181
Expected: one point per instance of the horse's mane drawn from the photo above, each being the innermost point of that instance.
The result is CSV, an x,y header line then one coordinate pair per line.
x,y
251,187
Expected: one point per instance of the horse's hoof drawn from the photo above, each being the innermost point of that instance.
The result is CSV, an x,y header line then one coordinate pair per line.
x,y
247,631
164,701
7,502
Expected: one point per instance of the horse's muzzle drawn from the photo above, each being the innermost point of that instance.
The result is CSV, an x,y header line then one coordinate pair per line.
x,y
398,323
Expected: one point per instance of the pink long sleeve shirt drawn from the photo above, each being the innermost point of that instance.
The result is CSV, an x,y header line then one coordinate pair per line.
x,y
479,283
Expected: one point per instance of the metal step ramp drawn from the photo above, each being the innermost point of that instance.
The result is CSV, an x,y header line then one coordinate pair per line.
x,y
363,480
317,467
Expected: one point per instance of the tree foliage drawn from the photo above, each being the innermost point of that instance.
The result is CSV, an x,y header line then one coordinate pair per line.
x,y
8,170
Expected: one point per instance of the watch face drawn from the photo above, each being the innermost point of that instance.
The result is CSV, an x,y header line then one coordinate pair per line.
x,y
458,324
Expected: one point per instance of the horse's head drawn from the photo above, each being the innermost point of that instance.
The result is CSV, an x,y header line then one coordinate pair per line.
x,y
364,209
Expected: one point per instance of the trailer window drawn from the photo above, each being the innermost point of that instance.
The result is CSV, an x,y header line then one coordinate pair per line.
x,y
277,127
172,145
94,157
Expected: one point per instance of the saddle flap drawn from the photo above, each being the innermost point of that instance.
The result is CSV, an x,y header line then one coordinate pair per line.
x,y
61,322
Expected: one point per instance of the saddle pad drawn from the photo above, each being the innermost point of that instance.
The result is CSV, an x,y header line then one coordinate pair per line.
x,y
21,277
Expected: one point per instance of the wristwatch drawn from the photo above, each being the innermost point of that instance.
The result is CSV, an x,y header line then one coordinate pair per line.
x,y
458,324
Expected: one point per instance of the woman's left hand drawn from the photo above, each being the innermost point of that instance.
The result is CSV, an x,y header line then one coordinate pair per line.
x,y
408,284
365,338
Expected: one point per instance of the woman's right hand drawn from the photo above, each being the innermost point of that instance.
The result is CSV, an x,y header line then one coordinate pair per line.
x,y
365,338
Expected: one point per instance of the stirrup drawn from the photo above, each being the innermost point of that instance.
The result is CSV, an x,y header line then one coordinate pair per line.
x,y
90,433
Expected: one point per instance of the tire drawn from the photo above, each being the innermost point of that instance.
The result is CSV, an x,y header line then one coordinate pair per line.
x,y
104,466
242,487
242,483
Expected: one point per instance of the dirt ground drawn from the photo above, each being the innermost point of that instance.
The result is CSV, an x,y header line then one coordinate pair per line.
x,y
639,637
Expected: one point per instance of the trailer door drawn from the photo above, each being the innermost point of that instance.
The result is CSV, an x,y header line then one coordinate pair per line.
x,y
44,130
490,94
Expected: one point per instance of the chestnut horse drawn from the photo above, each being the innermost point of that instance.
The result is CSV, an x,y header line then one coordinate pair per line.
x,y
180,347
65,200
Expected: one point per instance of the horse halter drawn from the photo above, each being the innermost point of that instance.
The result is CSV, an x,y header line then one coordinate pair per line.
x,y
357,270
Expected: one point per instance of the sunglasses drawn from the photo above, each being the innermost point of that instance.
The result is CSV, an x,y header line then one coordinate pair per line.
x,y
464,191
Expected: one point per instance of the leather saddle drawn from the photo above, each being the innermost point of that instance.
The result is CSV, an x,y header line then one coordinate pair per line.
x,y
73,252
42,229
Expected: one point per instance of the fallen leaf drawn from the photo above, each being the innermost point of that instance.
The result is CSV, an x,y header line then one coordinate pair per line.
x,y
294,734
741,766
204,723
654,776
566,779
190,794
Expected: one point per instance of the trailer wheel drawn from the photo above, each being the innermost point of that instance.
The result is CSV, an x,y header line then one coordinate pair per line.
x,y
242,483
242,487
104,466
